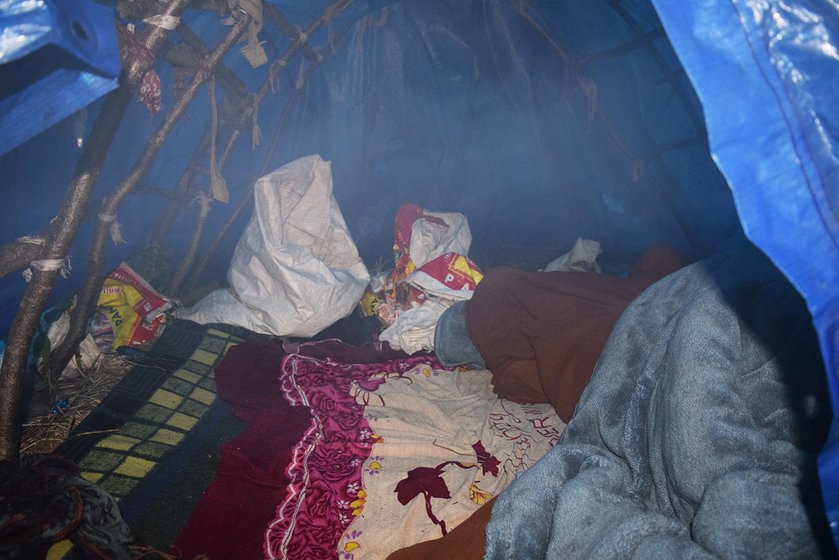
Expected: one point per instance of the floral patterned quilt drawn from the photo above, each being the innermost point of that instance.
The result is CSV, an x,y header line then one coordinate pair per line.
x,y
396,453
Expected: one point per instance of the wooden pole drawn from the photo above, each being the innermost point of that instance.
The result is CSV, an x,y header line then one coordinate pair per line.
x,y
59,239
173,207
189,256
247,200
193,41
228,80
300,42
205,201
288,29
244,204
236,93
19,253
87,296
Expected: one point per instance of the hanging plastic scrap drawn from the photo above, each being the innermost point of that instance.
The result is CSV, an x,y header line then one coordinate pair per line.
x,y
56,56
132,49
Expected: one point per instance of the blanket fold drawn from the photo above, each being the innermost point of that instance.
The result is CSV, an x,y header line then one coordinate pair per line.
x,y
540,333
696,437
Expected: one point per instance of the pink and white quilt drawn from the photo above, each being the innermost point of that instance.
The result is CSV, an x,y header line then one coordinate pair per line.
x,y
396,453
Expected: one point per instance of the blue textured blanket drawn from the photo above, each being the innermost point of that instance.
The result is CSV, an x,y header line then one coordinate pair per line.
x,y
696,437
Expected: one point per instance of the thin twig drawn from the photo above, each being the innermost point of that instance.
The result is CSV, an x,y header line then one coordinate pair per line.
x,y
89,290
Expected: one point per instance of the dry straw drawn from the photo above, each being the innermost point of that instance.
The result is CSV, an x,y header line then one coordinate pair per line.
x,y
48,427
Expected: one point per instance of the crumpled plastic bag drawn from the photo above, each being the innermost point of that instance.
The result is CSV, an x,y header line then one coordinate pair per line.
x,y
295,270
431,271
581,258
87,354
419,237
413,330
437,234
443,280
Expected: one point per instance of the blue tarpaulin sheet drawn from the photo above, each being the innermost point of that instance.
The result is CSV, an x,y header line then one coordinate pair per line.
x,y
767,74
56,56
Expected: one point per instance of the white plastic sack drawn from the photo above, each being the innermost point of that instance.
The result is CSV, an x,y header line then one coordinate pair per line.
x,y
430,240
296,269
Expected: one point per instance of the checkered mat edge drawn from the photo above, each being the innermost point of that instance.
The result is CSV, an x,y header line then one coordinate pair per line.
x,y
153,409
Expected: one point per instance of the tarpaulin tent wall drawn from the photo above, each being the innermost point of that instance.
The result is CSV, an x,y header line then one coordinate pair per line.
x,y
541,121
767,75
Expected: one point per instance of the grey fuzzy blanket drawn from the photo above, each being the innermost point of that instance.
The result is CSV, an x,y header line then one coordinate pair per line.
x,y
696,437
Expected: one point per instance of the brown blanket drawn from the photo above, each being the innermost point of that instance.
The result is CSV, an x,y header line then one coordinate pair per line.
x,y
541,333
464,542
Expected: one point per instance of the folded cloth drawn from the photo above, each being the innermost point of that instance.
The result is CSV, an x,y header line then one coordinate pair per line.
x,y
697,436
540,333
464,542
452,344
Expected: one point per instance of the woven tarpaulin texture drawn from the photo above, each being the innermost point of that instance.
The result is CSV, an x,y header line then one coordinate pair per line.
x,y
56,57
777,146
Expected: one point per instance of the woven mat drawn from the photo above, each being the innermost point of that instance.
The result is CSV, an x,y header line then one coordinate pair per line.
x,y
153,441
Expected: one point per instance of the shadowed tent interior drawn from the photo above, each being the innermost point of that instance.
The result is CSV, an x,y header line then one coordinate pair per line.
x,y
629,122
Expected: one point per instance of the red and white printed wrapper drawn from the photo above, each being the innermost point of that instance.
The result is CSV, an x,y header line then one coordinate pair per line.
x,y
451,276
